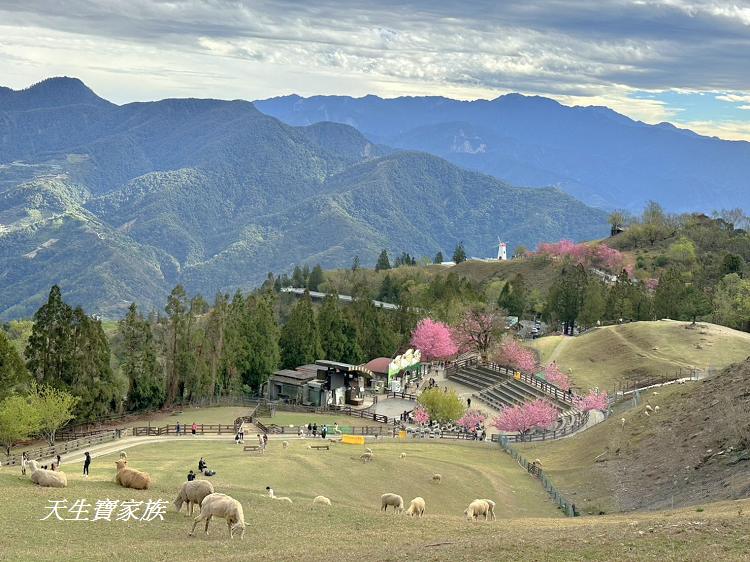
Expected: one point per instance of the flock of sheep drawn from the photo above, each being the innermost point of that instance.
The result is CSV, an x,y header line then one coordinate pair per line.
x,y
201,494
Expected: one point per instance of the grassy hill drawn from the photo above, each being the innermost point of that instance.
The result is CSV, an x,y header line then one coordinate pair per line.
x,y
693,451
612,354
353,527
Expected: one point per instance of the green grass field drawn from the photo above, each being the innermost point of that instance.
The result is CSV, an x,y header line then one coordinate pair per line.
x,y
528,525
614,354
216,415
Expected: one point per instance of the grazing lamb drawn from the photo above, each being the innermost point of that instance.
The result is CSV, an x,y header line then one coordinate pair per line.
x,y
285,444
123,455
368,450
402,455
130,477
656,409
622,423
475,509
416,507
538,462
322,500
649,408
226,507
46,478
365,457
394,500
283,499
437,478
193,493
491,508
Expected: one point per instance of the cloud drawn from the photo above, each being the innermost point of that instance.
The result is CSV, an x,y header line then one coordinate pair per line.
x,y
577,51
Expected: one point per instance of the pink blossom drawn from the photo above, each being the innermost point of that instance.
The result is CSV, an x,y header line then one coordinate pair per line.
x,y
525,417
594,400
555,376
596,255
513,354
471,419
477,330
420,415
629,270
434,339
651,284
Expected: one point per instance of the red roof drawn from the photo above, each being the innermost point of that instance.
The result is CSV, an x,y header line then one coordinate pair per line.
x,y
379,365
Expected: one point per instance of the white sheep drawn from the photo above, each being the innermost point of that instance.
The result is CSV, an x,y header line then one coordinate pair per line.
x,y
656,409
123,455
226,507
649,408
622,423
283,499
368,450
403,455
365,457
47,478
491,508
322,500
437,478
393,500
416,507
475,509
285,444
192,493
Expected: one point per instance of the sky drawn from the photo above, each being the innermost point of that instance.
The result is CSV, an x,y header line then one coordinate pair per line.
x,y
682,61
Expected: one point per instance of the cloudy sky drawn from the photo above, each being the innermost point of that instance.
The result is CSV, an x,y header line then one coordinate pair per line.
x,y
684,61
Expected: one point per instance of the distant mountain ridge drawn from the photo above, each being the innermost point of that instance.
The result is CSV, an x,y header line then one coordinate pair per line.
x,y
119,203
594,153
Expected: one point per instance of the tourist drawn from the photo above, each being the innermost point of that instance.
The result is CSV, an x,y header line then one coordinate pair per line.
x,y
56,464
324,431
269,491
242,432
265,440
191,476
336,429
468,402
301,432
24,462
309,428
193,428
202,465
260,443
315,429
86,464
178,428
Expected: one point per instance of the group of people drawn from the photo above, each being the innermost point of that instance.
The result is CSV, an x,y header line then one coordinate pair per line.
x,y
181,429
312,429
55,464
202,469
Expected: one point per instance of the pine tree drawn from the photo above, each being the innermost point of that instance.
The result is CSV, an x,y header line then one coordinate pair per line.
x,y
338,337
594,301
140,363
669,294
300,342
355,263
438,258
316,278
298,280
175,352
459,254
263,335
49,352
383,261
513,296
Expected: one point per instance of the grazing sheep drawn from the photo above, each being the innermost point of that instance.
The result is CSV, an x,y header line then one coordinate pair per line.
x,y
365,457
656,409
130,477
283,499
123,455
193,493
416,507
368,450
475,509
622,423
645,413
403,455
46,478
285,444
437,478
649,408
226,507
490,509
322,500
538,462
394,500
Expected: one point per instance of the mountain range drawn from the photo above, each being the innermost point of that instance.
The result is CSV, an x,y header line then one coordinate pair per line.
x,y
118,203
593,153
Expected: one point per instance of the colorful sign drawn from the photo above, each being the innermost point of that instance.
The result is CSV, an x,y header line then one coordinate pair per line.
x,y
404,362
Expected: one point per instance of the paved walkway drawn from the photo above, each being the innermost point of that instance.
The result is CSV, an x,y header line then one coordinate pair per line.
x,y
393,407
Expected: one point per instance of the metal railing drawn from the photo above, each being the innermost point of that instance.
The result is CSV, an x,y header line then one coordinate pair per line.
x,y
579,422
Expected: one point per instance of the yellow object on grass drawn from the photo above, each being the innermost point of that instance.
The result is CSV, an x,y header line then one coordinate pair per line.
x,y
353,439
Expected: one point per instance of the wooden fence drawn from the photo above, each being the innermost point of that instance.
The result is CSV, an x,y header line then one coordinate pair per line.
x,y
62,448
201,429
628,386
402,395
341,410
379,430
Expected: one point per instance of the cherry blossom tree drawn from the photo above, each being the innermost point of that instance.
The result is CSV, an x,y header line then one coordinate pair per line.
x,y
522,418
513,354
471,419
594,400
420,415
555,376
478,330
434,339
589,255
651,284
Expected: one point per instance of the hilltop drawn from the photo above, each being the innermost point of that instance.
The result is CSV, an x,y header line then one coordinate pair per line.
x,y
609,355
597,155
120,203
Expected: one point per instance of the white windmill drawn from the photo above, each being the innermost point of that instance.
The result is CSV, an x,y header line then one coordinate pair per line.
x,y
502,250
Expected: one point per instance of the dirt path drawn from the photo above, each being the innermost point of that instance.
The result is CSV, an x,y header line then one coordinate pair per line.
x,y
659,358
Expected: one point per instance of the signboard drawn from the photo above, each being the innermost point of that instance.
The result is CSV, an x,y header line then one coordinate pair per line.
x,y
404,362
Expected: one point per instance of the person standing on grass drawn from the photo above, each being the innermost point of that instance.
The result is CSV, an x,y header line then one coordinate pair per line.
x,y
265,440
315,429
178,428
260,443
86,464
193,428
324,431
309,428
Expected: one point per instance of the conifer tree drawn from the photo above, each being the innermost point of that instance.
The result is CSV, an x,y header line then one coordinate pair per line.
x,y
383,261
300,342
